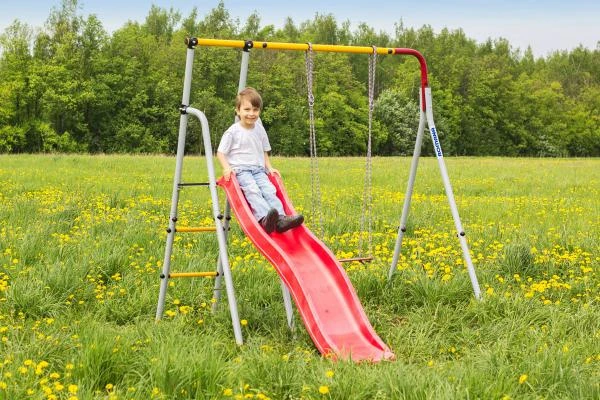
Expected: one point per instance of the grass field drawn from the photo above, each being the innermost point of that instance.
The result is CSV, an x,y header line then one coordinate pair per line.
x,y
82,242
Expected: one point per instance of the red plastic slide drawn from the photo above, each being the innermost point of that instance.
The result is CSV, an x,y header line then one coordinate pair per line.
x,y
324,296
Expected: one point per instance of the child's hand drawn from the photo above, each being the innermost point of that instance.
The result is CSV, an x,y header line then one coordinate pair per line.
x,y
227,174
274,171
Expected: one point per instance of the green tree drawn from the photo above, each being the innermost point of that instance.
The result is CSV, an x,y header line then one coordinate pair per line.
x,y
15,64
70,86
399,116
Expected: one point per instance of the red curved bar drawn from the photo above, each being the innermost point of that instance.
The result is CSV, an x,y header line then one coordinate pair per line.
x,y
423,63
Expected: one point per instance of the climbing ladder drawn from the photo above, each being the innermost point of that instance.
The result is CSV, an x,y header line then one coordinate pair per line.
x,y
221,221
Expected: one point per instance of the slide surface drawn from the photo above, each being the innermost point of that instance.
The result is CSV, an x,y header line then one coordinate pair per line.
x,y
324,296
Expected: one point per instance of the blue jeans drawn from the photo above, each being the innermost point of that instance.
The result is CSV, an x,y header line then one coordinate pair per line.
x,y
258,190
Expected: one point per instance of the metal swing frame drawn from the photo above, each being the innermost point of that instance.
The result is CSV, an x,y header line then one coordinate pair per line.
x,y
222,221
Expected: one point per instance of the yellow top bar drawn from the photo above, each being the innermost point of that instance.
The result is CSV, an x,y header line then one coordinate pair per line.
x,y
292,46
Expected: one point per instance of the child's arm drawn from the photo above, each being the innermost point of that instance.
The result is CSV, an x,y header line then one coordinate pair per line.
x,y
268,165
225,165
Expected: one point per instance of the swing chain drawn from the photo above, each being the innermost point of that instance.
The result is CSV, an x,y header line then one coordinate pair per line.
x,y
367,210
316,210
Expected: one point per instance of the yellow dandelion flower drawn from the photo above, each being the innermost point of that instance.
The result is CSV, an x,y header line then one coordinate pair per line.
x,y
72,389
244,322
522,379
227,392
329,373
109,386
323,389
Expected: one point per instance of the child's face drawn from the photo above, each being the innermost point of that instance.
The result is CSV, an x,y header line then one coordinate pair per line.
x,y
248,114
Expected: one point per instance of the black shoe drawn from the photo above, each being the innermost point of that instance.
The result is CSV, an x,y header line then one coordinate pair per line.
x,y
269,221
288,222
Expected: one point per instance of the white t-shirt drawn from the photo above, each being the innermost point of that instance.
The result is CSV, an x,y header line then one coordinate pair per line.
x,y
245,147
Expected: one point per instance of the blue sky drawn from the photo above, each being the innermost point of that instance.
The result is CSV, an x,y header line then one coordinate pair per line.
x,y
544,25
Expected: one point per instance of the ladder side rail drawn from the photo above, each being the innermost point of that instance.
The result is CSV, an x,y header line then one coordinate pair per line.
x,y
224,259
183,122
219,279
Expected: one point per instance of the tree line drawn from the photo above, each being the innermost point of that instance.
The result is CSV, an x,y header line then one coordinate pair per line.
x,y
71,86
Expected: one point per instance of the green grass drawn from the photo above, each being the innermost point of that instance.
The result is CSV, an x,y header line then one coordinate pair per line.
x,y
82,242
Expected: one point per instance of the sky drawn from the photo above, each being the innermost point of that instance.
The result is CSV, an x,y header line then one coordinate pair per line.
x,y
546,26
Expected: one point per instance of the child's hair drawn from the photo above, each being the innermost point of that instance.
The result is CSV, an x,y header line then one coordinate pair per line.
x,y
251,95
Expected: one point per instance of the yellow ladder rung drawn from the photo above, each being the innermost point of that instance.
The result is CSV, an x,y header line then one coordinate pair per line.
x,y
196,229
193,274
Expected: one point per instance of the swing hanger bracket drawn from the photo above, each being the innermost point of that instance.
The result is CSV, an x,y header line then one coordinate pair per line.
x,y
248,44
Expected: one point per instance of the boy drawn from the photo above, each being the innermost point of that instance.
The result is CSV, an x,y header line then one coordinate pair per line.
x,y
243,151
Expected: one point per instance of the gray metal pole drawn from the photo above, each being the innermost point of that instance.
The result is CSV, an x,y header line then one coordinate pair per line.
x,y
287,304
212,183
218,279
183,121
242,84
227,213
409,190
459,229
244,69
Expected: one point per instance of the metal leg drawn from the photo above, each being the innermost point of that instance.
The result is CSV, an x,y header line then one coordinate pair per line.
x,y
408,196
428,115
219,278
287,303
459,229
183,121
